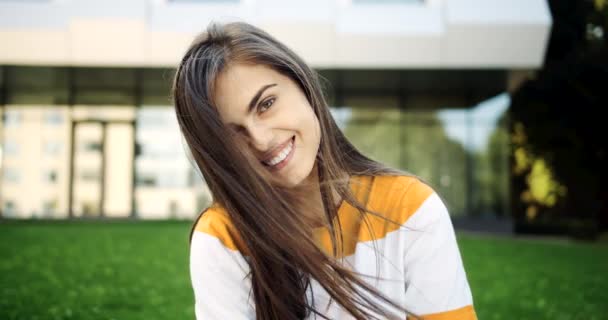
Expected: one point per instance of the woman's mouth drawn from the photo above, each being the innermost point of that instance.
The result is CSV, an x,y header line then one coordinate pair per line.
x,y
280,160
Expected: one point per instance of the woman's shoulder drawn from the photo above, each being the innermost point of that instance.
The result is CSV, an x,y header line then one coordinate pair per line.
x,y
214,221
400,196
401,182
401,188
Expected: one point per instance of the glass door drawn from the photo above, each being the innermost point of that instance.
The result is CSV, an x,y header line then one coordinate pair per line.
x,y
102,170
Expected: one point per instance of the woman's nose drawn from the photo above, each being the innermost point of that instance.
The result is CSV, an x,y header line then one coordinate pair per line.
x,y
259,137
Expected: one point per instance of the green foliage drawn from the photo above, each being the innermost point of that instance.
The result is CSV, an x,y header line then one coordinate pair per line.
x,y
139,270
557,116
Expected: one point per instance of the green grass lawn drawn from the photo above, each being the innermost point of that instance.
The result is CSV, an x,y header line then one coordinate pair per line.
x,y
139,270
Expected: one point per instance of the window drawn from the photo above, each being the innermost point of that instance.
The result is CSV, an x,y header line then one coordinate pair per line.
x,y
206,1
387,1
50,176
11,147
164,172
49,207
12,118
173,208
160,150
154,118
53,118
146,179
10,207
88,146
90,175
193,178
11,175
52,148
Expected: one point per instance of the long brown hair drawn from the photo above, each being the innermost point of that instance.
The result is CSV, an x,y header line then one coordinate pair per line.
x,y
276,237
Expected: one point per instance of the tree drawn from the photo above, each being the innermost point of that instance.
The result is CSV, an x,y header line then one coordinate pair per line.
x,y
558,132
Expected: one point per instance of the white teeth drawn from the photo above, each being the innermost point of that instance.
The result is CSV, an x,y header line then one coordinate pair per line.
x,y
281,156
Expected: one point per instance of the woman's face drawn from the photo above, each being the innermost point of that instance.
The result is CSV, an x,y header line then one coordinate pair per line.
x,y
271,112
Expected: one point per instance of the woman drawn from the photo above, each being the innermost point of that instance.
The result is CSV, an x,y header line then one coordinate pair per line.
x,y
302,225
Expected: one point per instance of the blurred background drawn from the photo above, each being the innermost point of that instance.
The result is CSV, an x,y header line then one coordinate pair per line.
x,y
497,104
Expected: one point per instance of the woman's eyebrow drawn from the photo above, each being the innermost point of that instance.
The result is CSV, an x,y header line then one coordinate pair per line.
x,y
256,97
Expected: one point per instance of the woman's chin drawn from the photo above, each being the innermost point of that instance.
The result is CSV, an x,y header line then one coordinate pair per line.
x,y
297,178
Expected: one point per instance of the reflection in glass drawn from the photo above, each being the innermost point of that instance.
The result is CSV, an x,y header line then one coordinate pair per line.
x,y
12,175
35,162
49,176
52,148
459,147
462,153
489,129
53,117
167,185
11,147
373,125
438,159
103,161
12,118
87,183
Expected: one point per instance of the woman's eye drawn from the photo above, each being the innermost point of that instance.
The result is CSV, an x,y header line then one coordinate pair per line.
x,y
266,104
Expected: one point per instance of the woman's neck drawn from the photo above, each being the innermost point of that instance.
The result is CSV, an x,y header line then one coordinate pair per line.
x,y
315,201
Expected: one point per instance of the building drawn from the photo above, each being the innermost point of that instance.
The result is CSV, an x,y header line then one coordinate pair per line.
x,y
88,128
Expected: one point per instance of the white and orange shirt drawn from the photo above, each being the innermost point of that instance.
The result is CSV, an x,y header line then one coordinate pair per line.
x,y
417,261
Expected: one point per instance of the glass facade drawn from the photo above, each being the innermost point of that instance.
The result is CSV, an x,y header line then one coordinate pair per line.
x,y
167,183
461,152
104,142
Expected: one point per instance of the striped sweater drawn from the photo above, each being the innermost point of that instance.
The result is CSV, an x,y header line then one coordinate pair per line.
x,y
419,261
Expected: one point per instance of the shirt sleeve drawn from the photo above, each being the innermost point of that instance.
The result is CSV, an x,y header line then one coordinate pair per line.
x,y
219,280
435,279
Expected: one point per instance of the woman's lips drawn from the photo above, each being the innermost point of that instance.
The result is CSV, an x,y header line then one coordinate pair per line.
x,y
287,159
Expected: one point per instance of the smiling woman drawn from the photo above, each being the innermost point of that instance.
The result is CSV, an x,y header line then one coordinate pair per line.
x,y
273,115
300,217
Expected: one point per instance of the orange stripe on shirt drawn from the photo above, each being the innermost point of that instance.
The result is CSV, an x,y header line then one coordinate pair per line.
x,y
464,313
215,222
396,198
